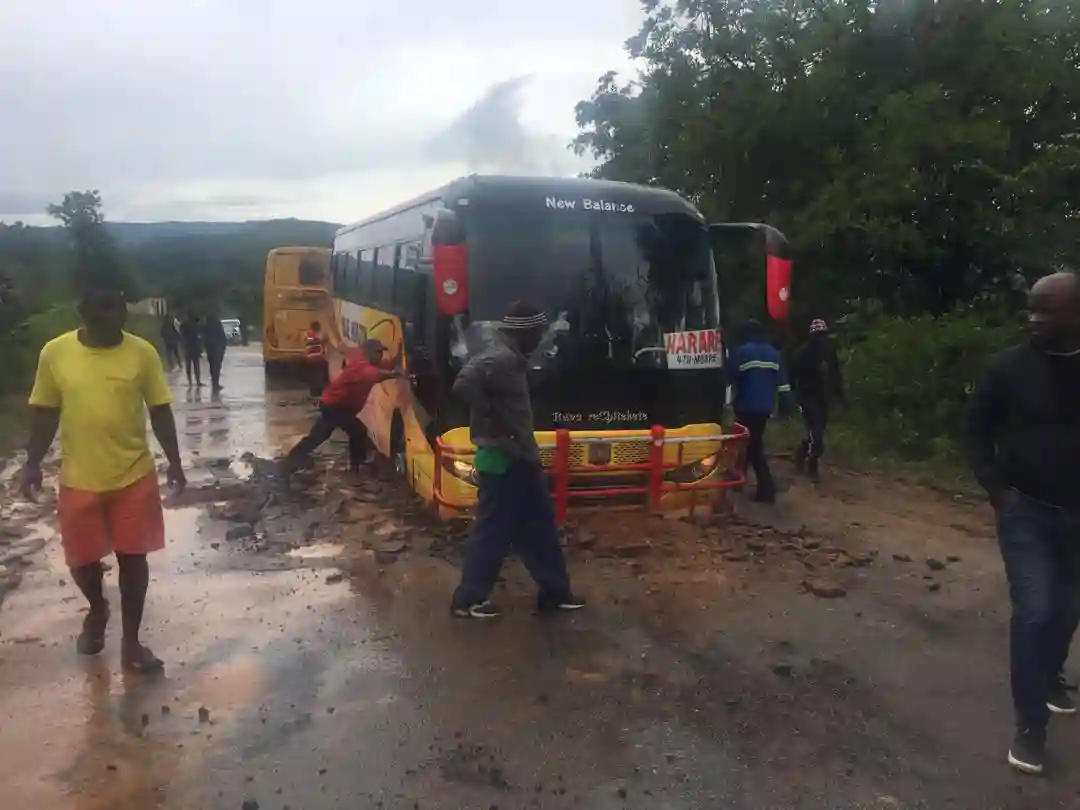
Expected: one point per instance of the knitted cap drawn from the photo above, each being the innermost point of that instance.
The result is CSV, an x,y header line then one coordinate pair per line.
x,y
521,316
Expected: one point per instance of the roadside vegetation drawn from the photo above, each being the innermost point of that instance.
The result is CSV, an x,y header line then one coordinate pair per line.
x,y
922,155
215,269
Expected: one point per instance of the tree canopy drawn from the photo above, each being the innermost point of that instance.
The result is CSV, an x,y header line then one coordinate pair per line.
x,y
919,153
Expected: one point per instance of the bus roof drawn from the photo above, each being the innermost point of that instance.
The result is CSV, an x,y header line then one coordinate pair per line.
x,y
293,250
481,185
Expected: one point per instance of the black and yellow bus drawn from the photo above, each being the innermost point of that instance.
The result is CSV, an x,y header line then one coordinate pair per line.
x,y
628,385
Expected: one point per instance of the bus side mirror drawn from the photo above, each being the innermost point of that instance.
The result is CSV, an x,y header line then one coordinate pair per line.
x,y
777,264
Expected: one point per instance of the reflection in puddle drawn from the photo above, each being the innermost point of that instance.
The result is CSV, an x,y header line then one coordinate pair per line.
x,y
318,551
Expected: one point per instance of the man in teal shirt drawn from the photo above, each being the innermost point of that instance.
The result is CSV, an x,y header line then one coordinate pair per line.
x,y
513,502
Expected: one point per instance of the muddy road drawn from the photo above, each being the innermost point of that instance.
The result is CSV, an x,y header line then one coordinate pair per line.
x,y
844,650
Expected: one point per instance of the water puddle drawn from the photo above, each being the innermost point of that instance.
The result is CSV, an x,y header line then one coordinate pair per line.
x,y
317,551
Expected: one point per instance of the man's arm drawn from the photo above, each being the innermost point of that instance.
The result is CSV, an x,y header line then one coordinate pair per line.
x,y
981,431
158,400
163,424
471,384
45,402
44,423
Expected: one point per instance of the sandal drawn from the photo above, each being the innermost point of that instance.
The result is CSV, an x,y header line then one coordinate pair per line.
x,y
91,640
141,661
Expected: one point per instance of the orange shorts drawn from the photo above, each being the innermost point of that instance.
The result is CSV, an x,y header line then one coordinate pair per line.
x,y
93,525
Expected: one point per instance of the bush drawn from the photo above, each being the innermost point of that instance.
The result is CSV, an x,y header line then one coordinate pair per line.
x,y
909,379
20,348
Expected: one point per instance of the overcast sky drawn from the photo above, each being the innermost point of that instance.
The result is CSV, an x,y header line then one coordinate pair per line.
x,y
328,109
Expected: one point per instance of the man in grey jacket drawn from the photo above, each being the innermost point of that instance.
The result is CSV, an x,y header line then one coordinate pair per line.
x,y
513,502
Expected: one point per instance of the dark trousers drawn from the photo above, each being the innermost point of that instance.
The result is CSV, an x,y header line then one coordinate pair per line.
x,y
513,509
815,416
214,358
1040,545
172,355
193,366
331,419
318,376
756,457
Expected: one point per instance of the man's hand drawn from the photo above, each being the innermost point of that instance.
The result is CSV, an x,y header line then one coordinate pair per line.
x,y
176,479
31,481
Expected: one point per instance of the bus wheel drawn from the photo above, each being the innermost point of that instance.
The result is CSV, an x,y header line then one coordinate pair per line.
x,y
397,447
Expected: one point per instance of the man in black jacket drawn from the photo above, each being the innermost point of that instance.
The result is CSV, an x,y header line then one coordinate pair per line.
x,y
1023,432
815,375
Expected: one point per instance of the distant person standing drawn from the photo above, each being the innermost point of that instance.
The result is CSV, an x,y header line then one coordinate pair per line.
x,y
815,373
1023,431
514,502
216,342
191,344
170,337
94,385
317,362
341,403
759,381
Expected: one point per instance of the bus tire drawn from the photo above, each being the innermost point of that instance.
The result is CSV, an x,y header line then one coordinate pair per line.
x,y
398,458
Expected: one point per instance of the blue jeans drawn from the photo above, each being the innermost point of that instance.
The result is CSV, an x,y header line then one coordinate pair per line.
x,y
1040,545
513,509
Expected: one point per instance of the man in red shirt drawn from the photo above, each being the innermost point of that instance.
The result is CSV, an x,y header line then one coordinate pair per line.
x,y
342,400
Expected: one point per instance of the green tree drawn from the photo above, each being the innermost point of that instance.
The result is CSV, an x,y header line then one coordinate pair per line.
x,y
96,258
918,152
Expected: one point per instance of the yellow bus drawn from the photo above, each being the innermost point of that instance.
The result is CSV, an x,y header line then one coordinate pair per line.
x,y
628,386
296,291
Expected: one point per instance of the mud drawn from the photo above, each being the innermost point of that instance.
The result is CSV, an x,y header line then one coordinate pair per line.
x,y
774,658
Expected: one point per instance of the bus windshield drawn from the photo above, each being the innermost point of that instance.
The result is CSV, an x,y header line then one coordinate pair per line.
x,y
612,284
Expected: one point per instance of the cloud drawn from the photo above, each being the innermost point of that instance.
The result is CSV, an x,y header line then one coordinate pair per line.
x,y
491,137
209,108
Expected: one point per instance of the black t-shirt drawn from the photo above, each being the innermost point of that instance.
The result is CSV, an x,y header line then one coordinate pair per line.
x,y
1065,383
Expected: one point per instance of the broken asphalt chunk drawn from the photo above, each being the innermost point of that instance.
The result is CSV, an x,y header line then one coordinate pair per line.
x,y
824,588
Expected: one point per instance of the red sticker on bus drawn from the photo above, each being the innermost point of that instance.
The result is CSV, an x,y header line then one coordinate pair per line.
x,y
697,349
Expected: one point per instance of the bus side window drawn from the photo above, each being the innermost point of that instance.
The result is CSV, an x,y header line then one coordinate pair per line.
x,y
348,276
364,277
383,292
410,255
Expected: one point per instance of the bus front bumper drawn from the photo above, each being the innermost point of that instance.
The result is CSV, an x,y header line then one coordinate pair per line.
x,y
659,470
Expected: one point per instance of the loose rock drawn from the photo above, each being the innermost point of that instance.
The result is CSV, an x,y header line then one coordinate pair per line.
x,y
935,564
784,670
240,532
953,558
904,558
204,714
335,578
934,587
824,588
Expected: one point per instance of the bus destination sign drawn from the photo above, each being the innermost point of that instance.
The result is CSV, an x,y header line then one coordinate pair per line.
x,y
698,349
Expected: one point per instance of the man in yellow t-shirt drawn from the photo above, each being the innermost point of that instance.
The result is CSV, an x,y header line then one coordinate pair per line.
x,y
93,384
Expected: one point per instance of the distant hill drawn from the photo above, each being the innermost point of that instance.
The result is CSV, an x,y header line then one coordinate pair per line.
x,y
201,266
312,231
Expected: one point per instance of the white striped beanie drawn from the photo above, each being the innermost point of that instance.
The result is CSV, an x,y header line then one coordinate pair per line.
x,y
521,316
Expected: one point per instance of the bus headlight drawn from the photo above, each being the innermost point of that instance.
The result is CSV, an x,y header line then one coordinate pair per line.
x,y
460,469
696,471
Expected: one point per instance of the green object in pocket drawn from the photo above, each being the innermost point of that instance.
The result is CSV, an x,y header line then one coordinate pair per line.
x,y
491,460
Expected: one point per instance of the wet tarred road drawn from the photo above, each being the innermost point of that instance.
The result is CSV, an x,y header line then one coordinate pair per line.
x,y
690,682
